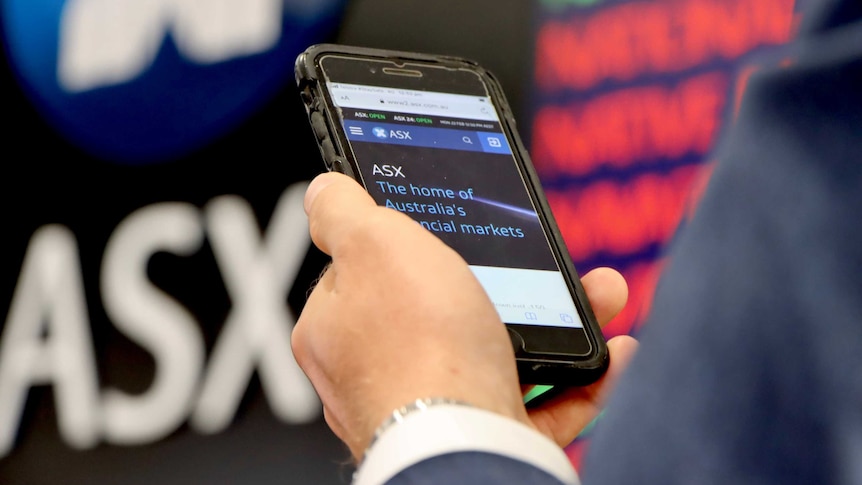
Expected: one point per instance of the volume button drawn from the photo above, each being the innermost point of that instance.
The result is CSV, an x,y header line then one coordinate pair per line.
x,y
318,124
328,151
337,165
306,97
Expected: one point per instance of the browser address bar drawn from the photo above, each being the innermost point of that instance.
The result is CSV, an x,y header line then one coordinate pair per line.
x,y
412,102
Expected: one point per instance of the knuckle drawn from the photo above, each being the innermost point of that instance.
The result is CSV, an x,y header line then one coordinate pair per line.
x,y
370,235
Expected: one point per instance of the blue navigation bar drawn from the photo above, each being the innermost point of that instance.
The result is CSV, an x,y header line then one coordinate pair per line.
x,y
421,136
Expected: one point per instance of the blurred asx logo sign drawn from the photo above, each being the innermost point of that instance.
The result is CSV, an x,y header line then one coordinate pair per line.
x,y
138,81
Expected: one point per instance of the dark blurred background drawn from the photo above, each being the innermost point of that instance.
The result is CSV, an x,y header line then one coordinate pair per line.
x,y
154,252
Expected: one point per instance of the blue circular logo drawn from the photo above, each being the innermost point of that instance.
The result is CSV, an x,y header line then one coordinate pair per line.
x,y
141,81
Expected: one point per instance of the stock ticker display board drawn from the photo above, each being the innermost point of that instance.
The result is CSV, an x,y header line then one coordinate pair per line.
x,y
629,98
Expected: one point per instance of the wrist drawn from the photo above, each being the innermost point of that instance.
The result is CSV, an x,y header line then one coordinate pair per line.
x,y
442,429
506,406
399,414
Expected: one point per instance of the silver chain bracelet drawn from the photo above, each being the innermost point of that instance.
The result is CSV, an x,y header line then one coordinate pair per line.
x,y
401,413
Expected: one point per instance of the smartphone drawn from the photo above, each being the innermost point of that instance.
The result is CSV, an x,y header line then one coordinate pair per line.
x,y
433,137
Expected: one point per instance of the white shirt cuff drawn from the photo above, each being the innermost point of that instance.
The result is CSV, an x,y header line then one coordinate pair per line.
x,y
451,428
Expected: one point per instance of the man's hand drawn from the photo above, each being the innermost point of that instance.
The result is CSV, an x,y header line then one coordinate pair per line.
x,y
398,315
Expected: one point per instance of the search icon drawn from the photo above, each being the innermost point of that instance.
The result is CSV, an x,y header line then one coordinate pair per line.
x,y
467,139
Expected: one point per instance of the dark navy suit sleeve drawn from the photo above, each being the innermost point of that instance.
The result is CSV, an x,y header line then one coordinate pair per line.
x,y
472,468
750,368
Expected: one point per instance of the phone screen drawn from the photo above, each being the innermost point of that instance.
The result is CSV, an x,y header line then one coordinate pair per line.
x,y
442,157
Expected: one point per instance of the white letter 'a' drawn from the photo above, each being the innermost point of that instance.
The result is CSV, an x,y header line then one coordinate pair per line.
x,y
49,298
153,320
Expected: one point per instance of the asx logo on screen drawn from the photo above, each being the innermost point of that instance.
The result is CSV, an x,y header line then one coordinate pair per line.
x,y
138,81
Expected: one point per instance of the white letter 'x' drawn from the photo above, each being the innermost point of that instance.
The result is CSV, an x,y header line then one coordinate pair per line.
x,y
258,274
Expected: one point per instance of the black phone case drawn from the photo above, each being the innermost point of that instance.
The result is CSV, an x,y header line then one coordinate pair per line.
x,y
332,142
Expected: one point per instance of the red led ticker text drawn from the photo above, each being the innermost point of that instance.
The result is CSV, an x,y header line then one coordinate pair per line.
x,y
620,219
629,125
632,39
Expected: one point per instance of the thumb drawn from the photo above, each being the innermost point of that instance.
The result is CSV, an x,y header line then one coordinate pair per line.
x,y
335,204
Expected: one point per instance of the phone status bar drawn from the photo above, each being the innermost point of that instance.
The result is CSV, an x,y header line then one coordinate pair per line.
x,y
421,120
412,102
